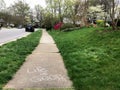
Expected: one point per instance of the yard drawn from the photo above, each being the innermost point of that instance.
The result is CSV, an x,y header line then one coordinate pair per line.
x,y
91,57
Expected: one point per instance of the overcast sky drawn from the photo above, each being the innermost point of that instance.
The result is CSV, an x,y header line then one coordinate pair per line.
x,y
31,3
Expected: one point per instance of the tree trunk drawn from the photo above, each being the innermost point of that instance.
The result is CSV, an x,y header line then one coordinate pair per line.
x,y
114,27
85,13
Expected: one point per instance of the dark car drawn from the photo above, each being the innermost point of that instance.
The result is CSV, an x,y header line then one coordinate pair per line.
x,y
29,28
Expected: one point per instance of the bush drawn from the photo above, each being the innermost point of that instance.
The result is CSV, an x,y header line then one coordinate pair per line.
x,y
48,24
67,26
100,23
71,29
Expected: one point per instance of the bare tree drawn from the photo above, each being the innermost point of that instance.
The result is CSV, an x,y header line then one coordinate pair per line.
x,y
21,9
56,8
111,7
70,10
39,13
82,10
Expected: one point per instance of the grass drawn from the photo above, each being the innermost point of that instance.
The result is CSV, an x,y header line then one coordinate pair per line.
x,y
92,58
12,55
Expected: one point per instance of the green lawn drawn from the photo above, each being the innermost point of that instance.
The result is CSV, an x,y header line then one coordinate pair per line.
x,y
92,58
12,55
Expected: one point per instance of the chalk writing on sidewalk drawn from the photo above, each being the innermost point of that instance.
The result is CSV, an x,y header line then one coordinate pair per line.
x,y
43,75
48,78
40,70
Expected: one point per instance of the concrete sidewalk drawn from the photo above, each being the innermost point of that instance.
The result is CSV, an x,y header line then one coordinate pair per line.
x,y
44,68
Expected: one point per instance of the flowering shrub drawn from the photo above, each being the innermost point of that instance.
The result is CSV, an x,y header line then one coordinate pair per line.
x,y
100,22
58,25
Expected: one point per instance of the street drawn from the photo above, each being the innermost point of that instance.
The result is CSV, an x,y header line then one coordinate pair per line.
x,y
7,35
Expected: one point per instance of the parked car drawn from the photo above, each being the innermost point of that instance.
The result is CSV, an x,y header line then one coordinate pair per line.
x,y
29,28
